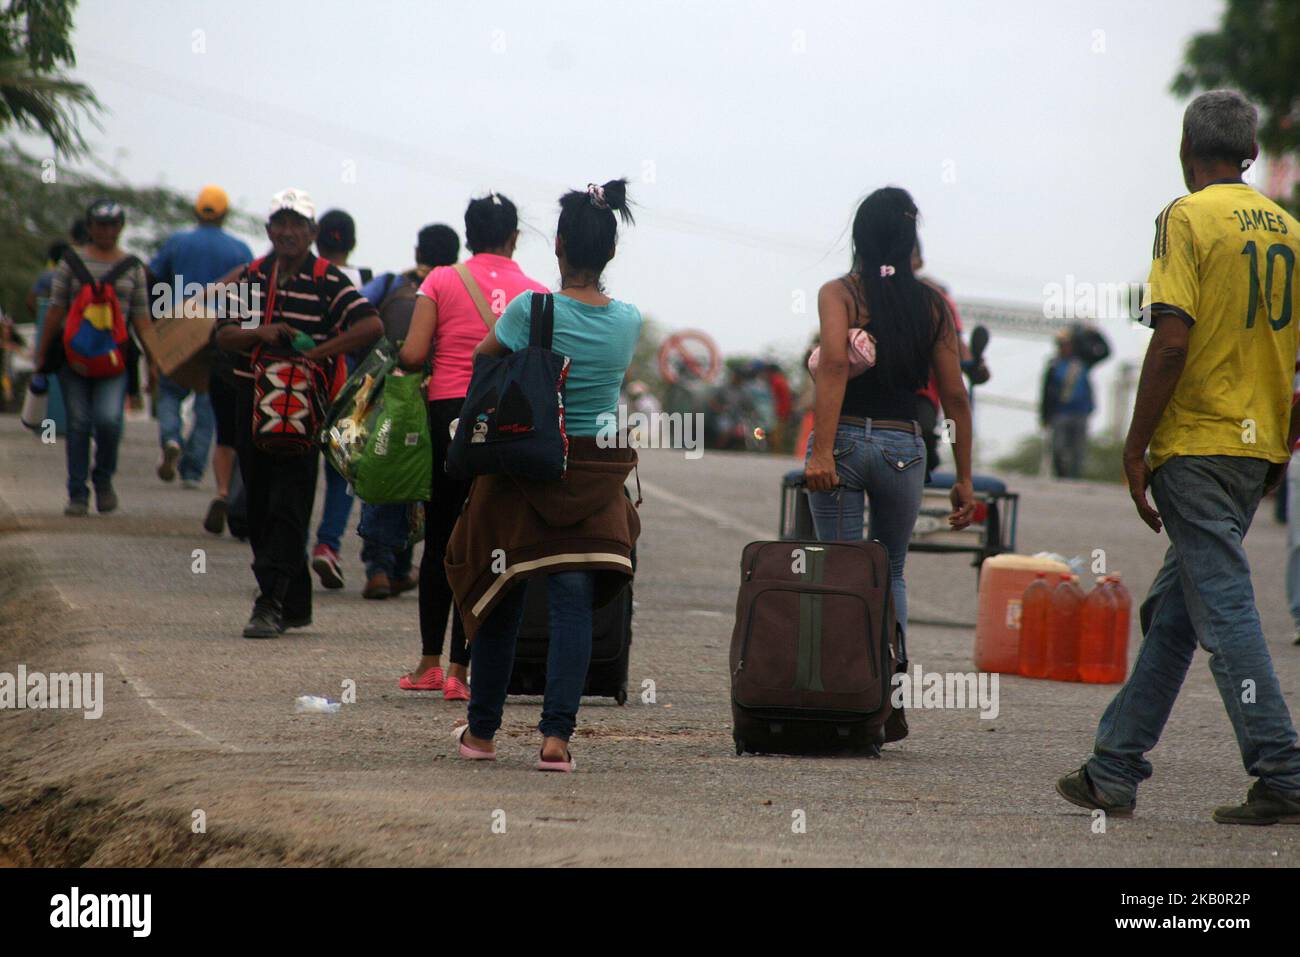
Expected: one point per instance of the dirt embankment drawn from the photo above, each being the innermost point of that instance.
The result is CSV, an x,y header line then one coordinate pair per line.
x,y
69,796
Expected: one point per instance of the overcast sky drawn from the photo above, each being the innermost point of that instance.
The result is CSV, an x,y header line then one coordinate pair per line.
x,y
1038,139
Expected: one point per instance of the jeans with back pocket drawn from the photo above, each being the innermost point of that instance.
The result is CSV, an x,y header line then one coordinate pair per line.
x,y
1203,596
95,407
883,468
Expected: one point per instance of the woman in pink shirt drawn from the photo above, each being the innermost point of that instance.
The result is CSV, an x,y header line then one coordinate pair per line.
x,y
451,317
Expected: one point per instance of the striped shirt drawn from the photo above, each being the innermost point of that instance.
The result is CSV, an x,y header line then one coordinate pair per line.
x,y
321,308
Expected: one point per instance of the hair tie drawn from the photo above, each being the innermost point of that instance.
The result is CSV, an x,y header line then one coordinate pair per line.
x,y
886,271
597,196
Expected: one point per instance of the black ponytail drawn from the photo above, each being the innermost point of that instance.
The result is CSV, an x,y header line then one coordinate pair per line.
x,y
490,221
589,224
905,314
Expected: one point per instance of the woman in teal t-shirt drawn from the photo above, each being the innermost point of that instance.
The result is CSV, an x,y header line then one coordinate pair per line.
x,y
598,334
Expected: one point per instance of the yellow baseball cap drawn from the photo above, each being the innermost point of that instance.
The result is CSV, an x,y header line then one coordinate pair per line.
x,y
212,202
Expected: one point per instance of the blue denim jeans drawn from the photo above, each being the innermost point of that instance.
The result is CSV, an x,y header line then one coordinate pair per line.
x,y
884,468
337,507
194,450
335,511
492,656
95,406
385,531
1203,595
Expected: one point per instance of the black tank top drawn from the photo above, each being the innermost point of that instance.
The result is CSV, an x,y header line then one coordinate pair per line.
x,y
873,396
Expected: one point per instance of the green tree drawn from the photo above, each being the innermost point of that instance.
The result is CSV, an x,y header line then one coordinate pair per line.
x,y
35,95
35,212
1256,49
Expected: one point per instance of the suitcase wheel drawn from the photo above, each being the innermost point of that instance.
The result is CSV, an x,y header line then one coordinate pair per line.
x,y
740,744
620,696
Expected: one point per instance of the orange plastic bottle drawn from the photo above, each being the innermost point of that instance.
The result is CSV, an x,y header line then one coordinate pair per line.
x,y
1119,645
1063,630
1097,634
1033,627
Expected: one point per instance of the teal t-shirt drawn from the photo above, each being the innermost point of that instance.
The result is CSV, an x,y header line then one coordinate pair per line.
x,y
599,341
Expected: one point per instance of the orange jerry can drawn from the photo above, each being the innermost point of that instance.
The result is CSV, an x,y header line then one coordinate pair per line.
x,y
1033,627
1097,634
1063,621
1003,580
1119,645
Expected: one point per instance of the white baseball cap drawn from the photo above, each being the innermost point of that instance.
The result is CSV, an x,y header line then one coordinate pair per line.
x,y
298,200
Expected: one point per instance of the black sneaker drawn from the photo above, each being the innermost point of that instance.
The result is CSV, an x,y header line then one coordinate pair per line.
x,y
105,500
76,508
215,521
1263,806
264,623
1077,789
302,621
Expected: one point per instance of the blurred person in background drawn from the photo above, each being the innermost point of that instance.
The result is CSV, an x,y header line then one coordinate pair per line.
x,y
385,530
1064,407
336,237
200,255
95,405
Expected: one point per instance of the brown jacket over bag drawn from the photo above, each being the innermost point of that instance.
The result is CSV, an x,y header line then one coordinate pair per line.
x,y
583,522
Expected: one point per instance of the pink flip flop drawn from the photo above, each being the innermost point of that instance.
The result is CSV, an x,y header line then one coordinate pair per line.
x,y
567,765
431,680
473,754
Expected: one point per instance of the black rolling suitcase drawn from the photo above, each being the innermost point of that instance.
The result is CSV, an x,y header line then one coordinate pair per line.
x,y
611,641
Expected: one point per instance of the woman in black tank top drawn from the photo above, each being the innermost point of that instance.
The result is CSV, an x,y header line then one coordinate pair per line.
x,y
866,447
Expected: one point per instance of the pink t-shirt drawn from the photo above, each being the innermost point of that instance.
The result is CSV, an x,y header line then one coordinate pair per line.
x,y
460,328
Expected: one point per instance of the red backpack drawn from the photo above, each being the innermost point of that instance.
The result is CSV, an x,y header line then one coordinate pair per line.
x,y
95,329
290,391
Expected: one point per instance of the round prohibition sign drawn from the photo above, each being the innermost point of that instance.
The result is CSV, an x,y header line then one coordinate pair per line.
x,y
692,350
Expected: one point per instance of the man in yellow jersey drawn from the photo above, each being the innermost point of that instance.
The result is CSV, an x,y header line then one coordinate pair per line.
x,y
1214,417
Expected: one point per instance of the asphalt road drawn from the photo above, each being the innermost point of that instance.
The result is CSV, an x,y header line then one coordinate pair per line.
x,y
199,724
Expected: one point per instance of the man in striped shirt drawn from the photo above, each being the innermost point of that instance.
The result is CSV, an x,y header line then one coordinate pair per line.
x,y
282,489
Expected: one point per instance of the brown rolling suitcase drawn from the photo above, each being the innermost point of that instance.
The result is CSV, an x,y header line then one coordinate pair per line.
x,y
814,648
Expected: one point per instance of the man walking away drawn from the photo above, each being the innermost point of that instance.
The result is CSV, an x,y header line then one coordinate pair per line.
x,y
1065,406
335,240
1212,413
385,530
199,255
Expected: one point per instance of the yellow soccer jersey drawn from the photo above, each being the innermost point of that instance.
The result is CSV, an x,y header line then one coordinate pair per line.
x,y
1224,261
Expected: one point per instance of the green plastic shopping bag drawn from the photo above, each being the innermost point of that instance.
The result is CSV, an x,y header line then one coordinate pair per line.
x,y
396,463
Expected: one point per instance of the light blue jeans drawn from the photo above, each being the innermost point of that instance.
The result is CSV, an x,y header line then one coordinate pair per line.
x,y
95,406
1203,595
194,450
884,468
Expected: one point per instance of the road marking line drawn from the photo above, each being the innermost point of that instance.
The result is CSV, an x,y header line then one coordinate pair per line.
x,y
145,694
922,608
